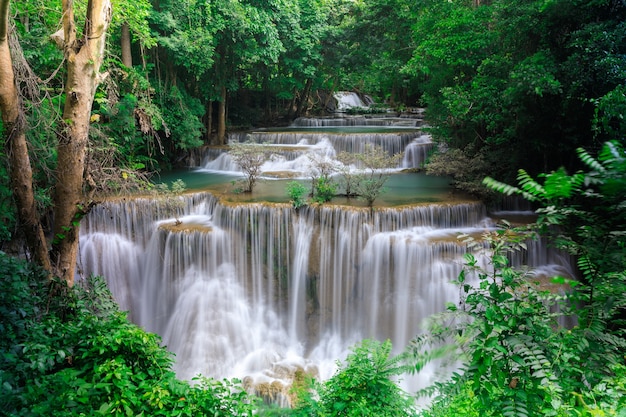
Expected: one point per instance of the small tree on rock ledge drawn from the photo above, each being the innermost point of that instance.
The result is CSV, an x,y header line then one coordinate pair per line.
x,y
250,156
377,163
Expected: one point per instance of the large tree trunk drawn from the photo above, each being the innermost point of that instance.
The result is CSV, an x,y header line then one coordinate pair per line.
x,y
20,170
84,57
221,118
127,57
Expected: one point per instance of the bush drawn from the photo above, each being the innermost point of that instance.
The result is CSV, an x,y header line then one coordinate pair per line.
x,y
376,163
363,386
71,352
324,190
296,192
517,361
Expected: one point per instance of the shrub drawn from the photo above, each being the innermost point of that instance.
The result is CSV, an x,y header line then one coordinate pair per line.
x,y
324,190
516,360
71,352
363,386
296,192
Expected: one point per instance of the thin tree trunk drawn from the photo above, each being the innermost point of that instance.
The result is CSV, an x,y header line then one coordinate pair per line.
x,y
84,58
268,99
208,117
293,104
127,58
20,170
221,118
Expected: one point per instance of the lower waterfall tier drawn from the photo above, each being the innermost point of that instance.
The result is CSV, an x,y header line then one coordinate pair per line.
x,y
260,291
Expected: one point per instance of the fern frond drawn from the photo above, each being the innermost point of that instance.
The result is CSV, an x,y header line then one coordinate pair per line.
x,y
530,186
500,186
506,189
587,267
612,154
558,185
578,180
590,161
515,408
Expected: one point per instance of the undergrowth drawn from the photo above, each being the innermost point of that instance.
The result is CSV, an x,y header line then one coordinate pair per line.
x,y
71,352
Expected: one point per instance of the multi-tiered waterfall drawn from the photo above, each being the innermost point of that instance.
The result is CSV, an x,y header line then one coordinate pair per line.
x,y
259,290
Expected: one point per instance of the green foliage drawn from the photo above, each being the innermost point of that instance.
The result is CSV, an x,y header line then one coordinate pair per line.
x,y
520,80
609,113
557,186
324,189
363,386
8,218
125,136
134,13
296,192
181,113
373,42
588,208
517,361
70,352
591,223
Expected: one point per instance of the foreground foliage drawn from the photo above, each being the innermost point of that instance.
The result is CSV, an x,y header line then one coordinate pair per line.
x,y
518,359
73,353
365,385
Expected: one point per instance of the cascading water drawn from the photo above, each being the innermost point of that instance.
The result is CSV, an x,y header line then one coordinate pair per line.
x,y
292,145
258,291
347,100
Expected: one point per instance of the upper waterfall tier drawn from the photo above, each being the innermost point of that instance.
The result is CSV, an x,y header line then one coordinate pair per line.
x,y
358,121
293,148
345,140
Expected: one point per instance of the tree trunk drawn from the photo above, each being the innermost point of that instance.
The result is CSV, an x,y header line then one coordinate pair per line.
x,y
268,99
84,57
20,170
291,110
208,117
127,58
304,98
221,118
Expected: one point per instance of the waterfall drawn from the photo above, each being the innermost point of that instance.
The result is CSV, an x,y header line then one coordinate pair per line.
x,y
238,290
291,148
307,273
416,152
357,121
259,291
347,100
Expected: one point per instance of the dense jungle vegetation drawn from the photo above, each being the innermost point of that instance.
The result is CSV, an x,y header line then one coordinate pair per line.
x,y
529,92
